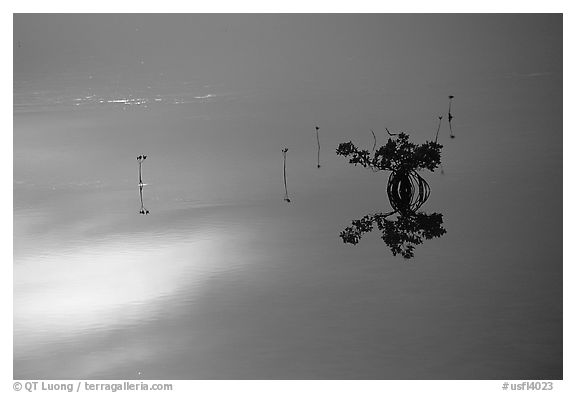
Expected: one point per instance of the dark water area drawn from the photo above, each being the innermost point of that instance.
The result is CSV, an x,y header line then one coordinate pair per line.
x,y
224,279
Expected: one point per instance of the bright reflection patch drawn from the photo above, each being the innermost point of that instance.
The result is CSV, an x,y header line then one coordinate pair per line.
x,y
96,288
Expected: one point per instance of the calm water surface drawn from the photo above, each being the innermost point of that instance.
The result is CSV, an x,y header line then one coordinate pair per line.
x,y
225,280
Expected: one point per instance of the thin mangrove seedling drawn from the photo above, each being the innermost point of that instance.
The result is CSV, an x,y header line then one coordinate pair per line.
x,y
374,148
318,141
438,130
450,117
141,184
284,151
391,134
373,135
140,159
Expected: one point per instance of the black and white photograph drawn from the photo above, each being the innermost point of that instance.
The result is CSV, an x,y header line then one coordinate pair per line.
x,y
288,196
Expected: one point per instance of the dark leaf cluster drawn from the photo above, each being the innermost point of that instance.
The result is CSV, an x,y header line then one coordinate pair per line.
x,y
398,155
401,235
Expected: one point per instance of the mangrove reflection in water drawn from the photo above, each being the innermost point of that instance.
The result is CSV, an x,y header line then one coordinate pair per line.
x,y
407,191
143,210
